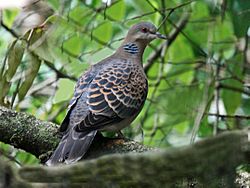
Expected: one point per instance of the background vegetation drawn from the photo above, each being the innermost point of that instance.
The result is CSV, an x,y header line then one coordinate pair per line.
x,y
199,80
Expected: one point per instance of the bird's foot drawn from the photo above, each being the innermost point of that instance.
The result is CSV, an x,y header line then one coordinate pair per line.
x,y
120,135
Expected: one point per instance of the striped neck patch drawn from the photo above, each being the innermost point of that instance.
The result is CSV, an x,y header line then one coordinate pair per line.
x,y
131,48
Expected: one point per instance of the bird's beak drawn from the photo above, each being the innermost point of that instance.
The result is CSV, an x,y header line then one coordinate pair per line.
x,y
161,36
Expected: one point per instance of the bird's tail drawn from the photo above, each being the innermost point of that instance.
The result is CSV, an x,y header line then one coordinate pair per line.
x,y
72,147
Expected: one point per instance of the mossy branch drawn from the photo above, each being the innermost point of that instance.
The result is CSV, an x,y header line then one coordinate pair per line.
x,y
211,162
40,137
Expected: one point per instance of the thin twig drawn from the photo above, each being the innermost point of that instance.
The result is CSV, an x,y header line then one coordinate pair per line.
x,y
229,116
245,53
236,89
217,96
59,73
12,32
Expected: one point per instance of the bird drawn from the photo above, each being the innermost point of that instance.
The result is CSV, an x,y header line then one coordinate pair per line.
x,y
107,97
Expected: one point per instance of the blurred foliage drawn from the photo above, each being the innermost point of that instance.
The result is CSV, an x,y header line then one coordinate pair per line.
x,y
208,63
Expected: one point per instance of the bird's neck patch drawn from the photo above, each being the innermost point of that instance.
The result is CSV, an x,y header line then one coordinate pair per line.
x,y
131,48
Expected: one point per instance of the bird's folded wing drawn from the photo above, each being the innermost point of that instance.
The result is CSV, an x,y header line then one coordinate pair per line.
x,y
116,92
80,88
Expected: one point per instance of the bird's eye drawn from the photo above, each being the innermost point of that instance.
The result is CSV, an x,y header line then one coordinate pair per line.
x,y
144,30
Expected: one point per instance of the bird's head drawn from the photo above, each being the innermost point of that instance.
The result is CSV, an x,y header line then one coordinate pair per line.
x,y
143,32
138,37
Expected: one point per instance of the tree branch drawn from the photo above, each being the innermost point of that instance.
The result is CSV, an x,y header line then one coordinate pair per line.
x,y
40,137
211,162
207,161
26,132
223,116
12,32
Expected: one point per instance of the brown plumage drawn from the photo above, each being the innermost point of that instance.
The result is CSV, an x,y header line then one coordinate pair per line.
x,y
107,97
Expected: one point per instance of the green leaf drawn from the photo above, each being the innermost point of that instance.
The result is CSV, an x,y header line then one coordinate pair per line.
x,y
180,50
197,29
26,158
145,6
30,75
14,58
232,99
205,129
117,11
76,68
223,36
103,32
65,90
182,72
182,127
9,17
78,14
54,3
179,104
240,14
96,3
73,45
245,105
101,54
199,10
57,44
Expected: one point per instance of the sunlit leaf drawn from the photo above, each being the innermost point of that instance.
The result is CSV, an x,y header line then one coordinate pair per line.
x,y
78,14
103,32
65,90
9,16
117,11
73,45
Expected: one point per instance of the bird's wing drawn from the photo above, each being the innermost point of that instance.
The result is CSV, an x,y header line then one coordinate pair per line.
x,y
80,88
117,92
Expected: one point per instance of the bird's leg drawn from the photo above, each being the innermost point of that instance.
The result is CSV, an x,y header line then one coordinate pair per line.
x,y
120,135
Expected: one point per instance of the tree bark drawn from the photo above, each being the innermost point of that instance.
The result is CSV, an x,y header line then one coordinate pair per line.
x,y
207,161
